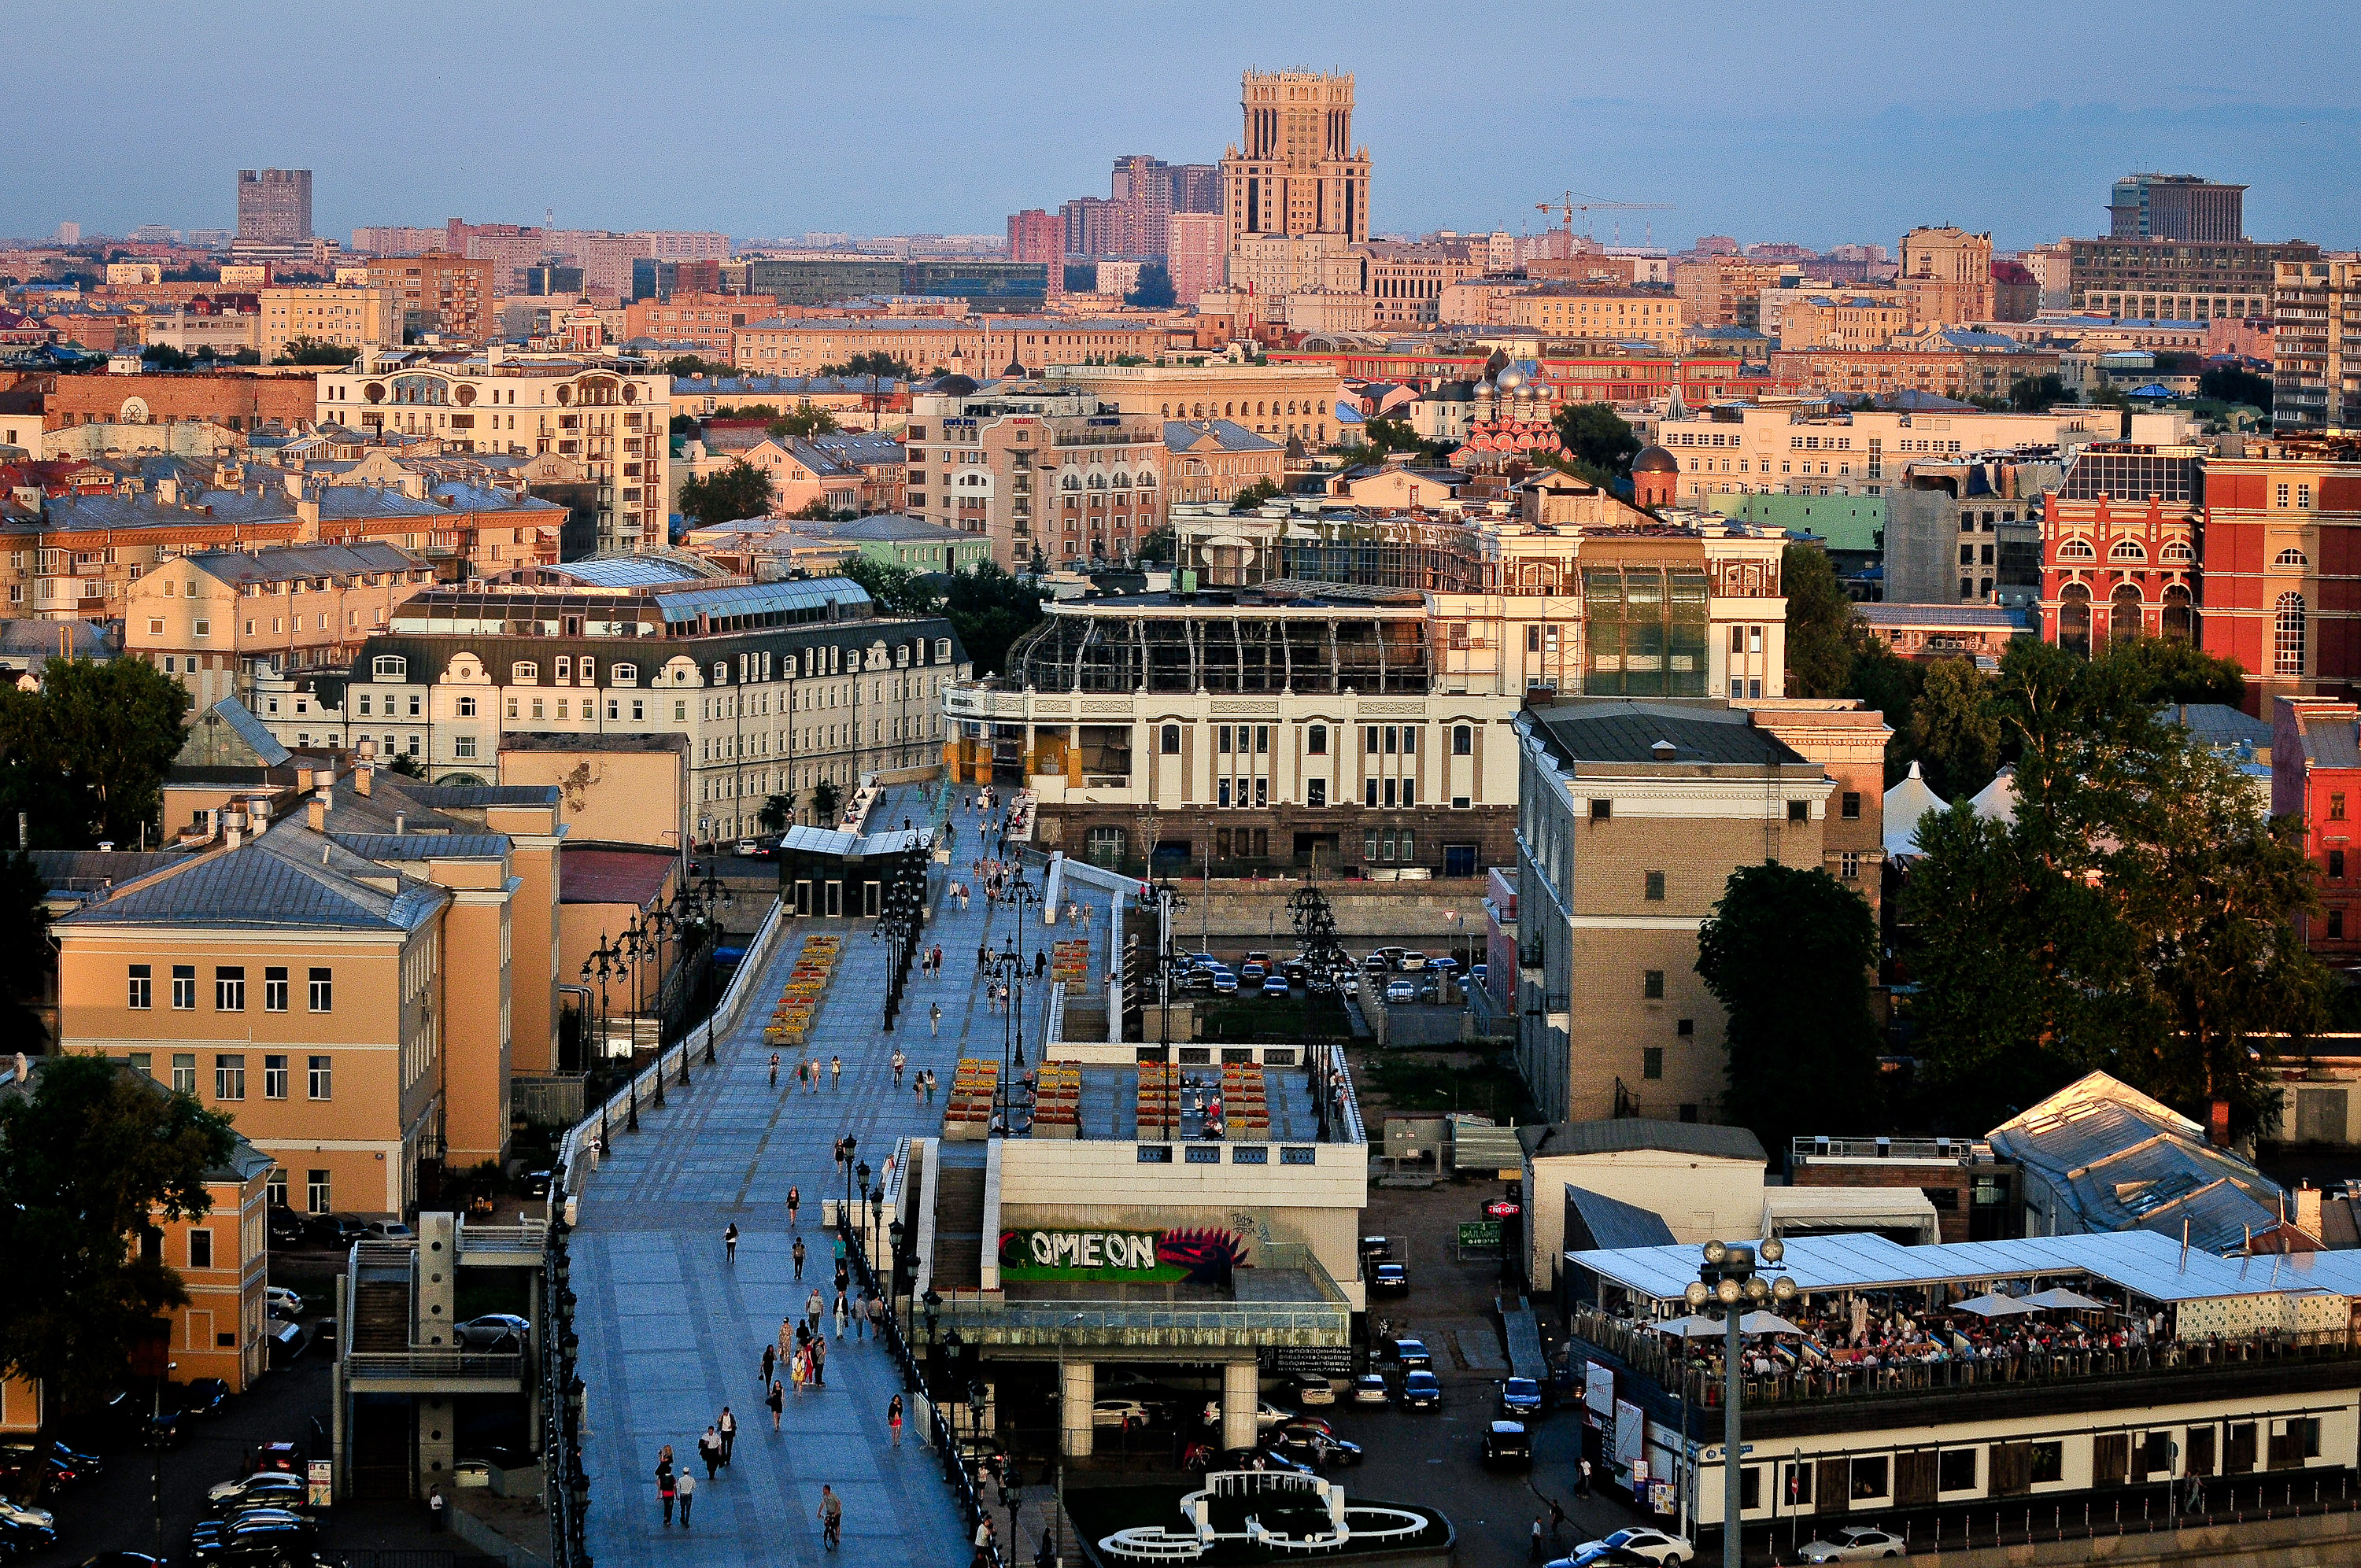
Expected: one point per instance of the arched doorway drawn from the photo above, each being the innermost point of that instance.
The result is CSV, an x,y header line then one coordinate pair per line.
x,y
2074,619
2179,615
2123,610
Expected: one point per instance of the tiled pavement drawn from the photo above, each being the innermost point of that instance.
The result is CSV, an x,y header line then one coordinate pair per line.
x,y
671,1332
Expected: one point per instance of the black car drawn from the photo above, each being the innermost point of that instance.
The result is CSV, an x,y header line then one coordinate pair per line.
x,y
203,1397
123,1560
268,1536
287,1228
1420,1391
1508,1442
1318,1448
336,1230
536,1183
1520,1400
1390,1279
18,1538
1412,1354
164,1428
61,1466
1605,1556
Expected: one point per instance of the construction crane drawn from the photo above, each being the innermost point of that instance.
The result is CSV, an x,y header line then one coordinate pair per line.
x,y
1567,206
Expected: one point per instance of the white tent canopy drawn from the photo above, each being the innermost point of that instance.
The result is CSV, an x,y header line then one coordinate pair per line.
x,y
2061,1297
1906,803
1994,1306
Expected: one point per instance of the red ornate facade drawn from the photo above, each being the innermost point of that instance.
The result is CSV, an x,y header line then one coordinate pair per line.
x,y
2119,546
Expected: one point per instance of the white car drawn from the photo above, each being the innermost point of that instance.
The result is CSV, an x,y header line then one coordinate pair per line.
x,y
1268,1415
1853,1543
1121,1414
19,1513
1401,990
1656,1545
387,1231
1370,1389
281,1302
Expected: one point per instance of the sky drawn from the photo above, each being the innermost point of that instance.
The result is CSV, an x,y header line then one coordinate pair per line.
x,y
1805,121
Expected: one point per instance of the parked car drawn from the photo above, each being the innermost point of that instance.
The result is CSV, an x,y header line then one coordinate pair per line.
x,y
204,1396
1660,1546
264,1489
1123,1415
1311,1388
122,1560
58,1466
536,1183
1420,1391
1296,970
1521,1399
1479,974
164,1430
1275,985
1604,1557
1430,991
1319,985
271,1537
280,1456
1390,1279
282,1303
1411,962
1377,1246
1320,1450
1852,1543
1400,990
1413,1355
1253,971
1225,983
286,1227
1446,964
1268,1415
494,1330
24,1513
18,1539
387,1231
1508,1442
336,1230
1195,979
1370,1389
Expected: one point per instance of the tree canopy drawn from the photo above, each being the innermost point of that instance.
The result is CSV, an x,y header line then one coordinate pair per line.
x,y
805,419
1596,435
313,351
23,946
874,362
988,608
1154,290
1820,633
739,490
1789,952
1254,495
2235,384
681,366
87,753
92,1159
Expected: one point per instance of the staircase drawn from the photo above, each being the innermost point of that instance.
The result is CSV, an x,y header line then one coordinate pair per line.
x,y
959,1228
381,1317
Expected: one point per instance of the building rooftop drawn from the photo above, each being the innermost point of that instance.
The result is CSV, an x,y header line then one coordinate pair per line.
x,y
1979,617
289,878
1624,1134
1605,730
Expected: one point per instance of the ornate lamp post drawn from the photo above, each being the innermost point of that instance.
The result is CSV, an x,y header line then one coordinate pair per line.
x,y
1727,1282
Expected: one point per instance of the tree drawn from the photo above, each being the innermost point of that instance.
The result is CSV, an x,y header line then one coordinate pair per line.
x,y
2159,670
805,419
1788,952
1596,435
312,351
1254,495
1819,623
894,589
778,812
2037,394
92,1159
2235,384
825,801
1885,683
1157,544
407,767
24,946
164,356
1955,728
106,734
683,366
875,362
739,490
1154,290
990,611
817,509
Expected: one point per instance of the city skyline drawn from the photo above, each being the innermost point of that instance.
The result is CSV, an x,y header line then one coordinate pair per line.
x,y
1451,145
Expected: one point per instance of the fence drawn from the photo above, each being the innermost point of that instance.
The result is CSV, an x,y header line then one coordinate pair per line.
x,y
552,1099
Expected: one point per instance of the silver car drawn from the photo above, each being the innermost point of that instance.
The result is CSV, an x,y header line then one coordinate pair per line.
x,y
1853,1543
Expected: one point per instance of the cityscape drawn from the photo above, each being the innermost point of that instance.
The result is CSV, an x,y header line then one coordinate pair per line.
x,y
1460,875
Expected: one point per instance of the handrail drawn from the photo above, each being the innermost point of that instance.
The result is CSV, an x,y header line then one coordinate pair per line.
x,y
433,1363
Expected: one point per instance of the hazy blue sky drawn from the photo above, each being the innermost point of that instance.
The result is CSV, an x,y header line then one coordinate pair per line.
x,y
1804,121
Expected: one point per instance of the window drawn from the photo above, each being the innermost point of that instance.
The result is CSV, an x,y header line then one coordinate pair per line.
x,y
1799,811
2336,925
524,674
2048,1461
1654,887
1869,1478
2335,811
463,746
1169,741
1316,791
321,1081
200,1249
274,1188
1651,985
322,990
1602,810
1463,740
2289,558
229,989
1369,739
1651,1062
230,1076
2286,638
1850,863
1955,1470
184,985
1221,739
466,708
274,1078
390,667
141,981
274,989
2335,873
318,1196
184,1072
1850,807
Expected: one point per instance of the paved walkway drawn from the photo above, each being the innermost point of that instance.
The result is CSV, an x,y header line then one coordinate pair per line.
x,y
671,1332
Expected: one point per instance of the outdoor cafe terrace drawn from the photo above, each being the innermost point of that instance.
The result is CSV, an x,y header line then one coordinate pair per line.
x,y
1873,1317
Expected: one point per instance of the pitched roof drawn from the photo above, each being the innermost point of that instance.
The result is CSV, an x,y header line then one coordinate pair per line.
x,y
291,878
1906,803
1606,731
1213,435
1626,1135
288,563
1610,1222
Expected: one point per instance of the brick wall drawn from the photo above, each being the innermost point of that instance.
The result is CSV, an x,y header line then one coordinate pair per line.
x,y
238,402
1945,1183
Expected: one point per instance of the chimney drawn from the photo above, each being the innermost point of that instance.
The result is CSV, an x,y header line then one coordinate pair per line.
x,y
167,491
2307,1210
364,767
2217,1124
232,827
401,820
307,518
319,814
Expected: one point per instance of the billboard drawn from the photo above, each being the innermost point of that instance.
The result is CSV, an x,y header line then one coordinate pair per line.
x,y
1165,1257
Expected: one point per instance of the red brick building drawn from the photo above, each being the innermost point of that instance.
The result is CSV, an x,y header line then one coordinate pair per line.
x,y
701,321
1037,236
234,401
2316,773
2119,545
2282,566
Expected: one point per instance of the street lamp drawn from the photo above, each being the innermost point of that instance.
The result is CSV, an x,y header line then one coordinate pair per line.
x,y
156,1446
1728,1281
1062,1326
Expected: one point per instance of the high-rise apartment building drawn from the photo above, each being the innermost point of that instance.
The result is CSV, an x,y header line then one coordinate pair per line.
x,y
274,205
1192,254
1196,187
1946,276
1037,236
2316,345
2176,206
1295,171
438,293
1141,190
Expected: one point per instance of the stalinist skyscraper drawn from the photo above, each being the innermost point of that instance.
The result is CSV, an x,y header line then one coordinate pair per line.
x,y
1296,171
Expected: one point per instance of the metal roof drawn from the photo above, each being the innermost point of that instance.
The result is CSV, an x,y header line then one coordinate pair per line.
x,y
1615,1224
2149,1265
425,845
257,735
289,878
761,598
1610,732
623,572
1624,1133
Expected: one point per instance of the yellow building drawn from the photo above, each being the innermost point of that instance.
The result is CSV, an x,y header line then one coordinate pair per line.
x,y
1633,315
348,318
1946,274
1840,320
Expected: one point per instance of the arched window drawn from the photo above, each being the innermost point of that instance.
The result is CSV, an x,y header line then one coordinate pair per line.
x,y
2286,636
2074,619
2177,553
1072,481
1098,481
2076,550
2289,558
2179,619
2124,613
1122,481
1147,479
2127,550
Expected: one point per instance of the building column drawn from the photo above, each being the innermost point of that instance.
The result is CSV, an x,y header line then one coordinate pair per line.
x,y
1077,1390
1241,1389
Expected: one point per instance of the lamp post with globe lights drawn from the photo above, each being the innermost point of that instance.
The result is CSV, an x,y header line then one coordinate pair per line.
x,y
1729,1281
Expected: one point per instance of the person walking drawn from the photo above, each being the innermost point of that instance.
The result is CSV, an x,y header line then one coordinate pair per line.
x,y
984,1536
775,1069
776,1399
813,1307
877,1318
798,1255
832,1518
786,1336
435,1507
930,1086
900,1062
795,1202
688,1495
667,1488
728,1428
771,1357
840,1315
819,1361
1582,1480
835,1073
729,1240
893,1419
797,1366
1533,1543
708,1449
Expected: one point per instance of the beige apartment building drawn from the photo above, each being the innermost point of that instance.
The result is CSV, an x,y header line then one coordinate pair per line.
x,y
348,318
1946,274
1791,451
335,975
207,619
1841,320
1631,315
978,347
1066,475
1281,403
1631,816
